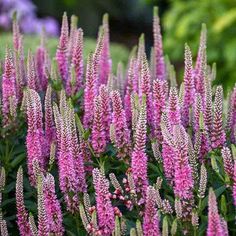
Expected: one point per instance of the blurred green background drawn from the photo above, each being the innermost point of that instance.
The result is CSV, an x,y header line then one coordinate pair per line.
x,y
181,22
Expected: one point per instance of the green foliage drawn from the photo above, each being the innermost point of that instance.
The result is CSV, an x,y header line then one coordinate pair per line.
x,y
119,53
182,22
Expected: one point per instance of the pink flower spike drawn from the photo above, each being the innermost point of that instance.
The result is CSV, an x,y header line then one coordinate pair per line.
x,y
121,131
145,88
72,35
22,214
139,157
201,64
32,78
183,181
98,130
159,102
228,161
41,64
189,89
62,49
106,109
129,89
232,116
89,94
43,220
208,107
218,136
105,63
19,69
105,211
214,222
158,51
97,58
197,110
52,206
173,109
35,137
67,174
50,132
201,48
77,59
234,185
151,221
9,99
16,32
168,151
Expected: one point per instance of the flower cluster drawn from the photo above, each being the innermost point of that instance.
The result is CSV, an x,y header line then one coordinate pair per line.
x,y
167,150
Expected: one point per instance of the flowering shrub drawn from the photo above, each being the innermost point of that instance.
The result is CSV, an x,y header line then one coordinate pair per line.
x,y
103,154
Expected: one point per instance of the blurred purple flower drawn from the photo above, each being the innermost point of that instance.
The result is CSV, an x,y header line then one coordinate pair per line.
x,y
28,21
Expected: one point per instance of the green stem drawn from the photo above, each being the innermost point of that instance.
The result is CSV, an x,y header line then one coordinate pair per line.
x,y
77,223
199,206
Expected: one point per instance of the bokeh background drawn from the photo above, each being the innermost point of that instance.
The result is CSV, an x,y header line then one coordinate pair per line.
x,y
180,20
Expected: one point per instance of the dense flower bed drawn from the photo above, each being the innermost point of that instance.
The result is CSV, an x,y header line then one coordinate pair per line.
x,y
124,154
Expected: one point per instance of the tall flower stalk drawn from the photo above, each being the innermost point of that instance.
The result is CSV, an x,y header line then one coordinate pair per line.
x,y
158,51
9,96
214,222
139,156
105,211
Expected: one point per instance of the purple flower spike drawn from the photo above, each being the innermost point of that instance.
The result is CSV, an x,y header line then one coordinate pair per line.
x,y
98,130
52,206
105,211
218,136
121,131
62,53
214,222
9,99
189,90
151,221
158,51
